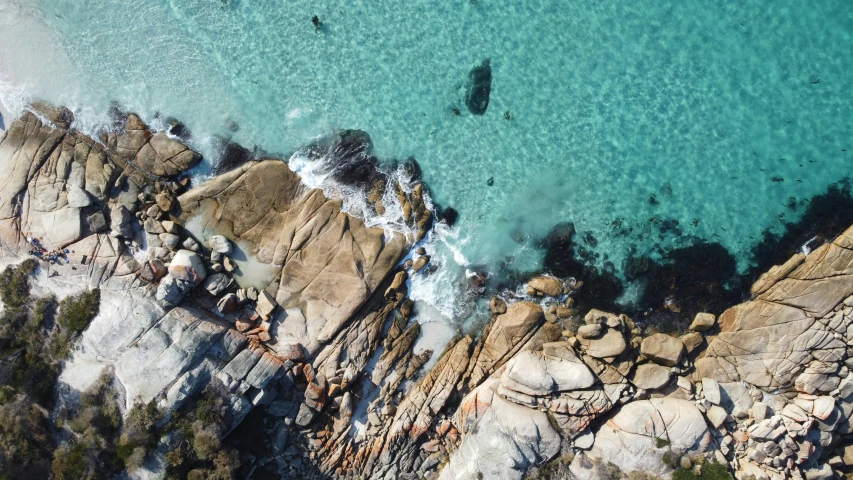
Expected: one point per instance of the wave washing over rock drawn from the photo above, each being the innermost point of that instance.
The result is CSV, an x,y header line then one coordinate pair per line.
x,y
260,286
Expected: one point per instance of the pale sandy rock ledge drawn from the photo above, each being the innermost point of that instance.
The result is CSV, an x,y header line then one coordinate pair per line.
x,y
254,281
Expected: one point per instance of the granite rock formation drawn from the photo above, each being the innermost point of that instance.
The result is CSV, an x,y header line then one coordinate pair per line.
x,y
257,282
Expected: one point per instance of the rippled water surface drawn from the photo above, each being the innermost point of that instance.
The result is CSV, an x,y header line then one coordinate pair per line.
x,y
721,110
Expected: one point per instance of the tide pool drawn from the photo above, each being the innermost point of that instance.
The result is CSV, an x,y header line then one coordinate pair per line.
x,y
712,114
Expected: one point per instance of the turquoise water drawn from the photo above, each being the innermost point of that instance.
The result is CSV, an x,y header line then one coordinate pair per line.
x,y
609,102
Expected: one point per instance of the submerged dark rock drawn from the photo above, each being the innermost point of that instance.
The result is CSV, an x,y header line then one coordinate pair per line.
x,y
686,281
564,259
479,88
232,155
449,216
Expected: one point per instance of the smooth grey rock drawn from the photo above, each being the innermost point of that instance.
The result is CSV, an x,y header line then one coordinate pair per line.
x,y
761,411
220,244
662,349
218,283
170,241
540,373
629,439
650,376
611,344
77,197
711,390
121,221
590,331
717,416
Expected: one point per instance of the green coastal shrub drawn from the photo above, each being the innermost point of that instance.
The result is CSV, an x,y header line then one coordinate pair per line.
x,y
25,444
195,432
95,425
709,471
76,312
15,284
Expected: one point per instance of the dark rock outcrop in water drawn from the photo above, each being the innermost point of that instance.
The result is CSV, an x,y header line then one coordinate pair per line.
x,y
351,159
479,88
232,155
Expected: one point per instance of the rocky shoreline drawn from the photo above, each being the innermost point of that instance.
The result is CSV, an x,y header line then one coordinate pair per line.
x,y
262,286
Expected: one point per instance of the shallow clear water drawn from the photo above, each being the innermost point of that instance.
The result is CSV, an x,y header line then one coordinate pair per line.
x,y
609,102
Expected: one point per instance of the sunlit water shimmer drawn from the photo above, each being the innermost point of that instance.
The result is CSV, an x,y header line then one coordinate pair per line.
x,y
700,104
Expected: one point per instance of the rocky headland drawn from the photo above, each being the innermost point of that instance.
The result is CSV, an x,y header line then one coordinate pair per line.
x,y
257,287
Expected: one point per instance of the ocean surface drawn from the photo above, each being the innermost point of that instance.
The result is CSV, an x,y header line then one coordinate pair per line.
x,y
621,114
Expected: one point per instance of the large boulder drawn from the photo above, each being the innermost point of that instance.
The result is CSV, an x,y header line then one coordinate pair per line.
x,y
555,368
502,438
187,266
662,349
768,342
546,285
611,344
638,436
650,376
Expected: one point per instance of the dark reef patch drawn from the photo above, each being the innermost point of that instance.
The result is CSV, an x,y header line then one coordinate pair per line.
x,y
826,216
697,275
449,216
601,287
479,88
699,278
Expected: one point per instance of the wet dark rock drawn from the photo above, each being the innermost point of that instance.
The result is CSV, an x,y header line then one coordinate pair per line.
x,y
653,200
589,239
479,88
412,168
117,116
666,189
178,129
490,181
560,237
449,216
232,156
352,161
